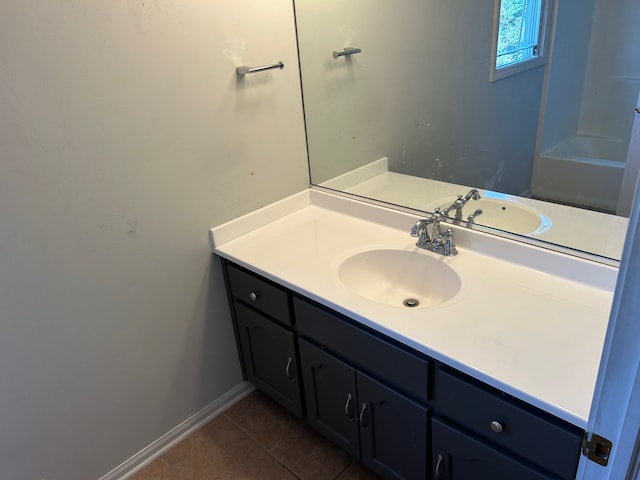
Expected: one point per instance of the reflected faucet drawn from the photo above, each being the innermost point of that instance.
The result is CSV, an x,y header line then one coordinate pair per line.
x,y
460,202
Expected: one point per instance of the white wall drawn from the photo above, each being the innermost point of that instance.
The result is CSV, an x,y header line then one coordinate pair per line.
x,y
591,90
124,136
595,73
613,74
419,93
568,65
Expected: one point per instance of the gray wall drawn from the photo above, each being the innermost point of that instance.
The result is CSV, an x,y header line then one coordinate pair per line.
x,y
125,136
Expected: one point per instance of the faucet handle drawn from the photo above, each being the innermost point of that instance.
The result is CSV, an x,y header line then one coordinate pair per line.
x,y
449,246
471,218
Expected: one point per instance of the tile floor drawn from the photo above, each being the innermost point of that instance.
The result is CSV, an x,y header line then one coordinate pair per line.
x,y
255,439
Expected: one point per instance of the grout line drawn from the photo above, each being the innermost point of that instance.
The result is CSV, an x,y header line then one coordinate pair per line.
x,y
286,467
264,448
129,468
344,469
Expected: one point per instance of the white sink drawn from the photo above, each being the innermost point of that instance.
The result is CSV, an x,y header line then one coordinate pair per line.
x,y
504,215
401,278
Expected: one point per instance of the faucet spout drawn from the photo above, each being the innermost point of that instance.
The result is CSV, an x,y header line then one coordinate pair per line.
x,y
473,194
420,230
420,225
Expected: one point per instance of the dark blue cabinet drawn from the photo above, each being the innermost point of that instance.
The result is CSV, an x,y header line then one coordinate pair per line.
x,y
367,418
393,431
401,413
458,455
331,397
269,356
508,424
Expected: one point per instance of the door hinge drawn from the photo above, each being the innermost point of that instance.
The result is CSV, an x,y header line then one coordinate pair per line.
x,y
596,448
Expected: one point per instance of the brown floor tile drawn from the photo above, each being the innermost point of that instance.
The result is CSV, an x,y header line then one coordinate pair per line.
x,y
255,439
309,455
156,470
357,471
216,451
267,468
262,418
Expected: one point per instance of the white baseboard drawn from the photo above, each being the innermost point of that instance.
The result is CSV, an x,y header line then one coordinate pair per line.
x,y
154,450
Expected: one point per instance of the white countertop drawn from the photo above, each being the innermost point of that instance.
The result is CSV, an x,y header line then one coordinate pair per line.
x,y
528,321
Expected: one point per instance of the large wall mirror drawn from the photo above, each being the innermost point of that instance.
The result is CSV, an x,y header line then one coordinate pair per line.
x,y
406,103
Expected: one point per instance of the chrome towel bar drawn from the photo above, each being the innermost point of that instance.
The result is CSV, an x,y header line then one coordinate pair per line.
x,y
244,70
346,51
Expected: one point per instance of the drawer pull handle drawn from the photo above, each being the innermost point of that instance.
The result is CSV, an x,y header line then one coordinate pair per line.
x,y
347,408
496,426
440,471
287,370
364,417
253,296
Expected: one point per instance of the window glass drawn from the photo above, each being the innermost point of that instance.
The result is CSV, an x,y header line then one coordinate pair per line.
x,y
518,31
519,35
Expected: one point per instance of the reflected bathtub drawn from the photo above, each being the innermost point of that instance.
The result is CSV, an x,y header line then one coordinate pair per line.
x,y
583,170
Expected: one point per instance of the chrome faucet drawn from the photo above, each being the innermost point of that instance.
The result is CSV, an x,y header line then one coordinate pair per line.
x,y
460,202
439,241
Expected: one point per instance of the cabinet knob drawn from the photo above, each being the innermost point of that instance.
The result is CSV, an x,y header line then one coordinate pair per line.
x,y
496,426
253,296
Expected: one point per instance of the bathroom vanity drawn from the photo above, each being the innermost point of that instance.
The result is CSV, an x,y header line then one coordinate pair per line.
x,y
485,379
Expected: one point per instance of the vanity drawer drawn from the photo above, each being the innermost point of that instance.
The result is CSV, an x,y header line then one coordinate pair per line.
x,y
385,360
509,423
260,294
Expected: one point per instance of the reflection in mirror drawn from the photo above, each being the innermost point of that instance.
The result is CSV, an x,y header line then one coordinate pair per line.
x,y
418,115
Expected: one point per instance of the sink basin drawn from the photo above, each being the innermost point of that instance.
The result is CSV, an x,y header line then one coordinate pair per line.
x,y
401,278
505,215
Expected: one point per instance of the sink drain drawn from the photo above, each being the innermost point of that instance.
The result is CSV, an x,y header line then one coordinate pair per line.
x,y
411,302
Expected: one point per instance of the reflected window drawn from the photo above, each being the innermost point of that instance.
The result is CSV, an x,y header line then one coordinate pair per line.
x,y
519,36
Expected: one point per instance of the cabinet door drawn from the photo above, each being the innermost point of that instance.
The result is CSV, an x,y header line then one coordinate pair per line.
x,y
269,355
393,431
330,396
459,456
